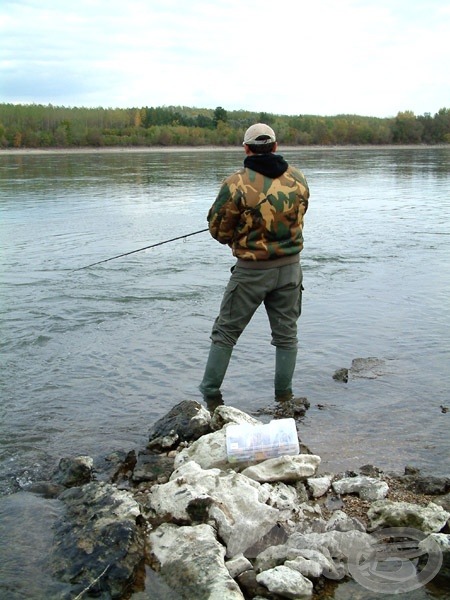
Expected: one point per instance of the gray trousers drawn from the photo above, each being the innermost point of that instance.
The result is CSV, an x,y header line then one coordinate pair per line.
x,y
279,288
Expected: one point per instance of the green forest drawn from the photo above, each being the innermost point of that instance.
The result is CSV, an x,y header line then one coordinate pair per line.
x,y
48,126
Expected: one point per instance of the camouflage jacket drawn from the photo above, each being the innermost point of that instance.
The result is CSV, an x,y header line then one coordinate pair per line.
x,y
260,217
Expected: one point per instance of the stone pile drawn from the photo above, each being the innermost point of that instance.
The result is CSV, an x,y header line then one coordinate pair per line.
x,y
212,529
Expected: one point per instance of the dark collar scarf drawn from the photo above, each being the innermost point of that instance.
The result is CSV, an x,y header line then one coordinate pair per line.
x,y
269,165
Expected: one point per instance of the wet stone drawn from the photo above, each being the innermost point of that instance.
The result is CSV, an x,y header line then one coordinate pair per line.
x,y
188,420
99,543
293,408
74,471
152,467
341,375
433,486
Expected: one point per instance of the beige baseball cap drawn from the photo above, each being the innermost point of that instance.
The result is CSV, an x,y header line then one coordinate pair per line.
x,y
259,129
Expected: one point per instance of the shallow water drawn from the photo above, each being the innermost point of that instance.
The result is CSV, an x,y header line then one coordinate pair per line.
x,y
91,358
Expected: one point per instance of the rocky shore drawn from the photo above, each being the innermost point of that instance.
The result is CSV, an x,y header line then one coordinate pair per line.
x,y
183,521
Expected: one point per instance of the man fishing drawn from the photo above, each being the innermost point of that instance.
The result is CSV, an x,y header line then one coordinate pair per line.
x,y
259,213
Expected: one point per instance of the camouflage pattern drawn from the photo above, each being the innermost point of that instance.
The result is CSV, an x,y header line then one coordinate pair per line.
x,y
258,217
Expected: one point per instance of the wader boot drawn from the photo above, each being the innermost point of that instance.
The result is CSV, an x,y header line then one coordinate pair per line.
x,y
284,371
216,367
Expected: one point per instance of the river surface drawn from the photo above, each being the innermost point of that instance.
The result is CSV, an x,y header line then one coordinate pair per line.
x,y
91,358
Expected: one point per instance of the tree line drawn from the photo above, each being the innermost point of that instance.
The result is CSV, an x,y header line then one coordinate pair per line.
x,y
48,126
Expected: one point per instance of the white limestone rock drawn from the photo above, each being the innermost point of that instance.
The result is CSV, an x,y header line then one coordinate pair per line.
x,y
307,567
340,521
240,516
191,562
338,545
283,497
312,563
236,504
209,451
224,415
286,582
367,488
284,468
429,519
237,565
437,546
319,486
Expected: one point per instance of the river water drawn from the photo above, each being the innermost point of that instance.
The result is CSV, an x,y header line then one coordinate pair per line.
x,y
91,358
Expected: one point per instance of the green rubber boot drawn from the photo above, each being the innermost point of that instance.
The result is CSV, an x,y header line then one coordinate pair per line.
x,y
284,371
216,367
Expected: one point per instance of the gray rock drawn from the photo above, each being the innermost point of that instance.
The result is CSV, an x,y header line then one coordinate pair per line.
x,y
286,582
99,544
210,452
312,564
432,486
340,521
228,414
311,569
173,549
164,443
45,489
237,504
237,565
293,408
437,547
284,468
333,503
116,467
367,488
367,368
338,545
275,537
188,420
74,471
310,519
319,486
283,497
443,501
153,467
370,471
274,556
251,588
189,484
429,519
341,375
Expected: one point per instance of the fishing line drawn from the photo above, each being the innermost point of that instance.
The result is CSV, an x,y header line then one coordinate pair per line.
x,y
180,237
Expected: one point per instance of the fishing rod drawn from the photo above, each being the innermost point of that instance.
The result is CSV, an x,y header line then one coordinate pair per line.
x,y
180,237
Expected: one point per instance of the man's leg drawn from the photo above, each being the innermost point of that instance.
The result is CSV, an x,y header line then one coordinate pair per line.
x,y
216,367
283,307
244,293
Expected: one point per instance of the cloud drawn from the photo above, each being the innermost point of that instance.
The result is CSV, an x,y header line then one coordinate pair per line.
x,y
372,57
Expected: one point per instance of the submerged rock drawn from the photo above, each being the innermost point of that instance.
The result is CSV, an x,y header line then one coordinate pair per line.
x,y
361,368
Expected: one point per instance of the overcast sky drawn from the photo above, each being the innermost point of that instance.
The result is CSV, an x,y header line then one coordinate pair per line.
x,y
322,57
